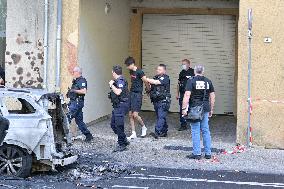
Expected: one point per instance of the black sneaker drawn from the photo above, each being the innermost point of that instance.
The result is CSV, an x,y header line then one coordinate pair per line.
x,y
154,135
89,138
182,128
127,142
163,135
192,156
207,156
119,148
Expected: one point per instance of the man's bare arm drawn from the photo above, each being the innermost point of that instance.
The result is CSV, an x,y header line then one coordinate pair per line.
x,y
153,81
212,103
185,101
117,91
177,95
148,87
81,91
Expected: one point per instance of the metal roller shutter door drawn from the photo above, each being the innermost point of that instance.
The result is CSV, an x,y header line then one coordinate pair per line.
x,y
204,39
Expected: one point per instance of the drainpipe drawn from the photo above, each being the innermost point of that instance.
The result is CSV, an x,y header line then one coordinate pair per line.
x,y
249,129
58,44
46,36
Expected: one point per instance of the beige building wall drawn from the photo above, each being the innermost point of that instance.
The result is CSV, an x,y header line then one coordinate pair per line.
x,y
24,60
267,72
70,41
103,43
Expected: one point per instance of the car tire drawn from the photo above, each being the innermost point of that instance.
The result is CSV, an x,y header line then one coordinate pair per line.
x,y
15,161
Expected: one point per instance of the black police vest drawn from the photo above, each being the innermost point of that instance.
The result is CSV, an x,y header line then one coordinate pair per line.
x,y
124,95
75,86
183,82
160,92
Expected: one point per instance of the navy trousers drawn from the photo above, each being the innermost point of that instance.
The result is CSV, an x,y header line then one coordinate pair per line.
x,y
117,122
161,109
76,112
181,118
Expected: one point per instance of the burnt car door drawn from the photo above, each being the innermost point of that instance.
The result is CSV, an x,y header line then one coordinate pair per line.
x,y
28,123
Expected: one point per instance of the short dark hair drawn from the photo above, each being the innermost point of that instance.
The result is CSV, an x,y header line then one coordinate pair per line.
x,y
163,65
186,60
130,60
117,69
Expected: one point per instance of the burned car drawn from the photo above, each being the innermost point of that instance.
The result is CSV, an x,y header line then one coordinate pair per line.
x,y
38,135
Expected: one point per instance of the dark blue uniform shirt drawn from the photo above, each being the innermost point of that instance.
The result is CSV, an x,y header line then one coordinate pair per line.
x,y
79,83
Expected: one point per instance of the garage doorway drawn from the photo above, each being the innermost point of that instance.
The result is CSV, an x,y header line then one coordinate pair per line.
x,y
203,39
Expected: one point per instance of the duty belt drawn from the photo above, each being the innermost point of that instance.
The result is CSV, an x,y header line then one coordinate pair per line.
x,y
124,100
78,98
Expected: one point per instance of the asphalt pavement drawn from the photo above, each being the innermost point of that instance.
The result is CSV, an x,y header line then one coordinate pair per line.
x,y
159,178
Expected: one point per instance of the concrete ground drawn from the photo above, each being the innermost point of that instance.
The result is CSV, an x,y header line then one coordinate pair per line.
x,y
171,152
161,163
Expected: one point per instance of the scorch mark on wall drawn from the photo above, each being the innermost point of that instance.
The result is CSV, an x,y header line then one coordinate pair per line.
x,y
25,68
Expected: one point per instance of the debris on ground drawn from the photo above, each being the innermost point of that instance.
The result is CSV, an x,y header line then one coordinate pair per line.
x,y
234,150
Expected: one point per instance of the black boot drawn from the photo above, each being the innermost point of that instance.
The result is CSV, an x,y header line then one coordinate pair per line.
x,y
154,135
163,135
127,142
182,128
207,156
192,156
119,148
89,137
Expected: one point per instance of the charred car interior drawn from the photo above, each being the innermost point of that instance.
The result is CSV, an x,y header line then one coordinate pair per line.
x,y
38,136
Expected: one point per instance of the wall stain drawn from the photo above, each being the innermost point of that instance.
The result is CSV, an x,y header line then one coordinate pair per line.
x,y
28,74
20,39
20,71
40,56
16,58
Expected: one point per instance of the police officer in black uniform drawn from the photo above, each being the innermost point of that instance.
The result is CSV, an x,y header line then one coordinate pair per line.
x,y
76,95
119,96
186,74
161,98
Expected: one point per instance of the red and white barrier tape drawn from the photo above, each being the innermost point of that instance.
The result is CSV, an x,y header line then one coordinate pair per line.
x,y
271,101
235,150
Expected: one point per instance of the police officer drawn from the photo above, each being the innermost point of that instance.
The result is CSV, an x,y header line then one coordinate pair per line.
x,y
137,79
186,74
76,95
200,92
161,98
119,96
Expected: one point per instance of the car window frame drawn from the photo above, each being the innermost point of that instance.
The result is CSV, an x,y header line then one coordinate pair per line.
x,y
29,100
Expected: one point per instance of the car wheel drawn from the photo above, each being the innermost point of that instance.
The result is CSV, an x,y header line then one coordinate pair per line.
x,y
14,161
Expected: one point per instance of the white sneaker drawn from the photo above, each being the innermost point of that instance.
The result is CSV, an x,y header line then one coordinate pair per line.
x,y
132,136
144,131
